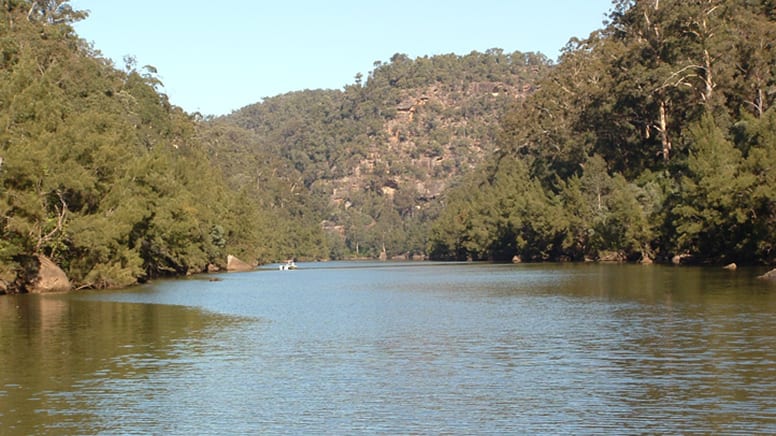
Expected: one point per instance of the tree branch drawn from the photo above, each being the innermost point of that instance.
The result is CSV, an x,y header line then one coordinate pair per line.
x,y
61,215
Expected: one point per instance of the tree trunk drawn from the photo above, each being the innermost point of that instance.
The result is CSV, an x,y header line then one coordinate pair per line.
x,y
663,129
708,77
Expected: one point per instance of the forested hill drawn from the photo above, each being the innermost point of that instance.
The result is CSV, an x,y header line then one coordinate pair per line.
x,y
99,172
652,139
374,158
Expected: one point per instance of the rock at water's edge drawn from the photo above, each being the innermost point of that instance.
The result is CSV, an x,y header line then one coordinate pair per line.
x,y
770,275
234,264
50,278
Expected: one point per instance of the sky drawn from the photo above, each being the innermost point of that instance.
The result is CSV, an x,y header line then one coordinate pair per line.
x,y
216,57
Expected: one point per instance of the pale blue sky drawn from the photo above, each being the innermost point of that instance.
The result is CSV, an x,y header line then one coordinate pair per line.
x,y
216,57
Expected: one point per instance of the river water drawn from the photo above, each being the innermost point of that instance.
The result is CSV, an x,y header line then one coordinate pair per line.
x,y
398,348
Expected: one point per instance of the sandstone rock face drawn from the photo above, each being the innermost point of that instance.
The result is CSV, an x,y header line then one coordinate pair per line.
x,y
234,264
50,278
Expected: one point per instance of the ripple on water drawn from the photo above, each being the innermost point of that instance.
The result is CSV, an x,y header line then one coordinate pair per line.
x,y
469,349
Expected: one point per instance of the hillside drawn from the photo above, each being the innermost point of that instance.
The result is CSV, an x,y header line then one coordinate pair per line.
x,y
376,156
99,173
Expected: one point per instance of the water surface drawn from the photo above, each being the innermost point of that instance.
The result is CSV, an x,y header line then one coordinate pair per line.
x,y
343,348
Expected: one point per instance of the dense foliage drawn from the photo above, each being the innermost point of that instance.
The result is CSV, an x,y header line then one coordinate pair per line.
x,y
652,138
97,170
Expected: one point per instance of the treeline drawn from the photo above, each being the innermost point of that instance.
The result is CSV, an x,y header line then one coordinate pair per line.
x,y
99,172
654,138
371,160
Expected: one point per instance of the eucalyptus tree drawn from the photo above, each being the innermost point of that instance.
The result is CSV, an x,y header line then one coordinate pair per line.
x,y
53,12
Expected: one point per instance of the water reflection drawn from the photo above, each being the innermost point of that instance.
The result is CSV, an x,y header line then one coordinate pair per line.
x,y
62,358
677,347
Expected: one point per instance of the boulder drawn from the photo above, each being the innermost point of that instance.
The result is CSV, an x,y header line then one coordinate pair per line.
x,y
234,264
683,259
770,275
50,278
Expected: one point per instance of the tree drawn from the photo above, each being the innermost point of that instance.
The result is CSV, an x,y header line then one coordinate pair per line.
x,y
714,215
759,137
752,30
54,12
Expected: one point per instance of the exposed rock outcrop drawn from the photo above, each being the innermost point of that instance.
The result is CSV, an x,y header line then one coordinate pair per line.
x,y
234,264
50,278
770,275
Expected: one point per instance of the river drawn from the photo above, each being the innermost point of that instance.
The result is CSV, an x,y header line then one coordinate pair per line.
x,y
398,348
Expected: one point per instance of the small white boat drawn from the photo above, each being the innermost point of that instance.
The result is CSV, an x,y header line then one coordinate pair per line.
x,y
289,265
